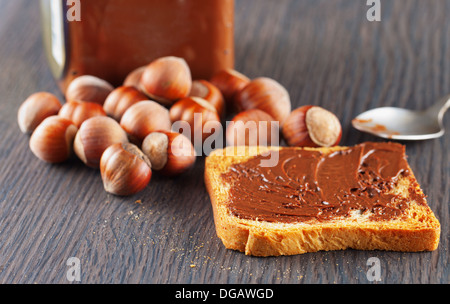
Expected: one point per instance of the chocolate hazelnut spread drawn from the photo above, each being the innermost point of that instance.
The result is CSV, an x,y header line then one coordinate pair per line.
x,y
111,38
310,184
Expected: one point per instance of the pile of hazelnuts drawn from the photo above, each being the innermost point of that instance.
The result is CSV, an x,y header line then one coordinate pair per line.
x,y
126,131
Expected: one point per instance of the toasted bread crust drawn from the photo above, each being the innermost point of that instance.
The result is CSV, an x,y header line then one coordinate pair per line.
x,y
418,230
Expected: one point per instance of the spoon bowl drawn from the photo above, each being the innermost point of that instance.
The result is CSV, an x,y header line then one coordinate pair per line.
x,y
403,124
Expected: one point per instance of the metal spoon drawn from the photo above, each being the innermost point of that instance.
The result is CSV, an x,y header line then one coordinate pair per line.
x,y
402,124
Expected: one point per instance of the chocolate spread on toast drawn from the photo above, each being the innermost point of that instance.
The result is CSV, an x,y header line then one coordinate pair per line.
x,y
310,184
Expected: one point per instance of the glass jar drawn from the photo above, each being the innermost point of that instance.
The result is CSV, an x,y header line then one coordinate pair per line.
x,y
110,38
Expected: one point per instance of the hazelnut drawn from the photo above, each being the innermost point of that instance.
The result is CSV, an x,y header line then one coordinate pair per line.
x,y
169,152
88,88
209,92
265,94
196,112
35,109
52,140
78,112
251,128
166,79
144,117
125,170
230,82
94,136
119,100
312,126
134,77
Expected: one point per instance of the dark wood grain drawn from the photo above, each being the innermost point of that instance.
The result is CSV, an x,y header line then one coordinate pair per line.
x,y
325,52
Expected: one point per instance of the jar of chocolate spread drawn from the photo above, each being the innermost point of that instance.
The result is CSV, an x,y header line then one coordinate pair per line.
x,y
110,38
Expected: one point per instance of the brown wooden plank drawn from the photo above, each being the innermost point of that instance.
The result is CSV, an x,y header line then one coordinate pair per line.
x,y
325,52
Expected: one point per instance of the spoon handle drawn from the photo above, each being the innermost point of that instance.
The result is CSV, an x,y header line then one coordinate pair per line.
x,y
438,110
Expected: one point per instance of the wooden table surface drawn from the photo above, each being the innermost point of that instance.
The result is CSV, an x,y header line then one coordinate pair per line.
x,y
324,52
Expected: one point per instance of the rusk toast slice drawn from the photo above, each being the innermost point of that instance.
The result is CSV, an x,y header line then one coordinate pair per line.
x,y
364,197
